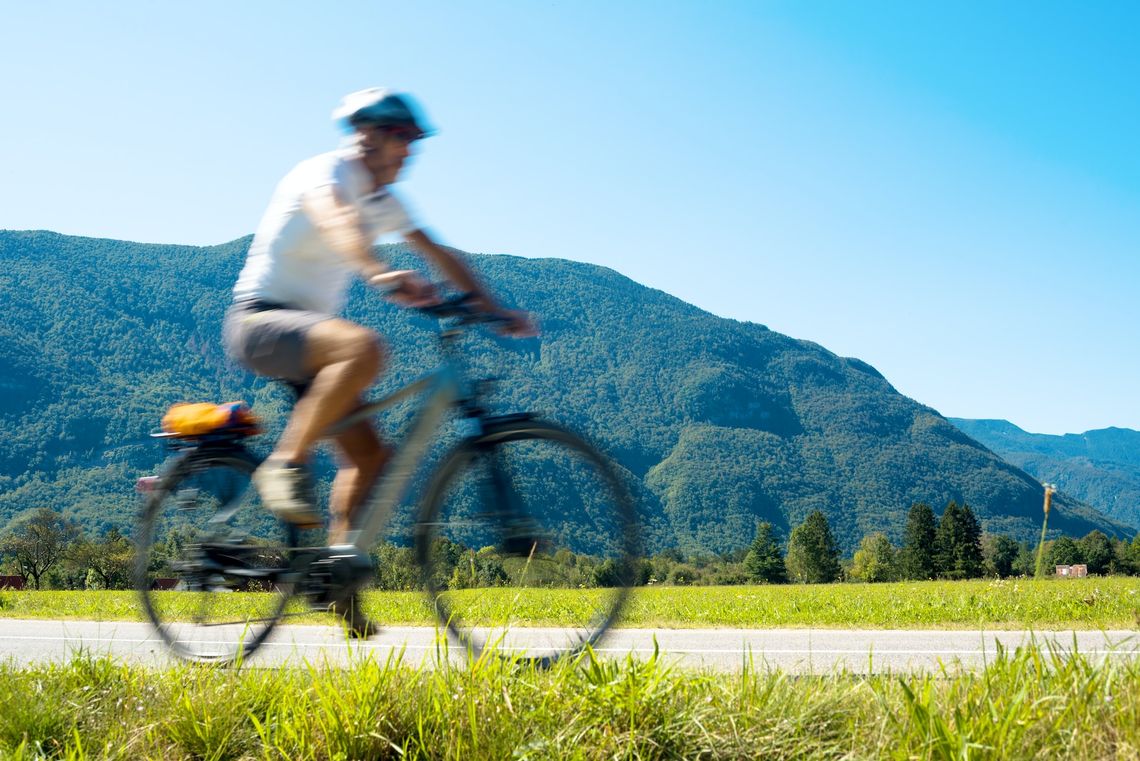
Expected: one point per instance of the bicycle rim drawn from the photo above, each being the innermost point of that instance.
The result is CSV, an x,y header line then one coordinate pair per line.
x,y
527,541
213,564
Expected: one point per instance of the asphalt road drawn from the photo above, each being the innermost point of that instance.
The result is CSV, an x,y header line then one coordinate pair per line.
x,y
794,650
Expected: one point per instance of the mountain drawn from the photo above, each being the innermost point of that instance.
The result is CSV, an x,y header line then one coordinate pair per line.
x,y
718,423
1101,468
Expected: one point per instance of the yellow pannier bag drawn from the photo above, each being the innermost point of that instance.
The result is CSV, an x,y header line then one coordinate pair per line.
x,y
202,418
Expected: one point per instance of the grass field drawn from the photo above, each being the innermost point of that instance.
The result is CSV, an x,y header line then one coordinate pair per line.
x,y
1028,704
1110,603
1033,703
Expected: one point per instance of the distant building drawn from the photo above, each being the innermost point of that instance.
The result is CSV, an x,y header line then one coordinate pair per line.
x,y
12,582
1073,571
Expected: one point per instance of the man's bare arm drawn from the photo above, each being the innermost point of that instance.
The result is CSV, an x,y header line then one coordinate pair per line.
x,y
453,267
340,225
459,274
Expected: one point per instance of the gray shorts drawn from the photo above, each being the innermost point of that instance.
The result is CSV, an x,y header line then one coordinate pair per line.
x,y
270,338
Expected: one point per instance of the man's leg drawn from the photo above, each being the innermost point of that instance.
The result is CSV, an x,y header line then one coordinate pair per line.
x,y
362,458
343,359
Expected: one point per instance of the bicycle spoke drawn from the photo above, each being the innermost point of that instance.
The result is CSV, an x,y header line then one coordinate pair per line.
x,y
223,559
517,538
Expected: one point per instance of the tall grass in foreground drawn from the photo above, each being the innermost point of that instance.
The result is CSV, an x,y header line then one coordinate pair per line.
x,y
1102,602
1028,704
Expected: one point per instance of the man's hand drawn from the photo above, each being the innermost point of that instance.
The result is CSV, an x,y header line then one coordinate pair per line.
x,y
405,287
515,322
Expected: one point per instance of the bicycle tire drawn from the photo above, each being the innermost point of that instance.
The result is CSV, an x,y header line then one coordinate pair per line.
x,y
560,558
204,531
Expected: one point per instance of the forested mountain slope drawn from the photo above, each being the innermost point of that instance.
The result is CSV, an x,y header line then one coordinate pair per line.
x,y
719,422
1101,468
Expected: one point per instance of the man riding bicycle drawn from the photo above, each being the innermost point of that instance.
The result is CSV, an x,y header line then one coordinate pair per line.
x,y
317,232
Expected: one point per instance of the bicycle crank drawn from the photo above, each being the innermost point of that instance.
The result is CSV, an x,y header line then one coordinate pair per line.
x,y
339,571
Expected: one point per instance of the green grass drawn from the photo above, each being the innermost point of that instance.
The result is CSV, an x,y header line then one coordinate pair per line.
x,y
1111,602
1028,704
1092,603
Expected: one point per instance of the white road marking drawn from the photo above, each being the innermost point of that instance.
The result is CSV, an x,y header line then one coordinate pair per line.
x,y
798,650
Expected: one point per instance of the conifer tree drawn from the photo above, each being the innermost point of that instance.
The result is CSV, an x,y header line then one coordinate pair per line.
x,y
916,558
971,559
765,559
958,544
813,557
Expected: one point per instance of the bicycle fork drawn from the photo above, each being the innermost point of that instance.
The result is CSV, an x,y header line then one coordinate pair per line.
x,y
520,532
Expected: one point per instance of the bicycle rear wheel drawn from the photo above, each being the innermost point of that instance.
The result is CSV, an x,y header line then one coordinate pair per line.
x,y
212,565
527,540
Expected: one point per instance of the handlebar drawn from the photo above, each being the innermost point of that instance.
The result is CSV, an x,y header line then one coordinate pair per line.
x,y
460,307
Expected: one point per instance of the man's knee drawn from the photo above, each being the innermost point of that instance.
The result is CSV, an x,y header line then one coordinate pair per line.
x,y
364,345
370,351
337,341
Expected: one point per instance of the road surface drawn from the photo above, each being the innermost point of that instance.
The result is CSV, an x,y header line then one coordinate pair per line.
x,y
794,650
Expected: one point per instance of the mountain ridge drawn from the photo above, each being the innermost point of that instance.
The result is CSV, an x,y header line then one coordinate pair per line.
x,y
1099,466
719,423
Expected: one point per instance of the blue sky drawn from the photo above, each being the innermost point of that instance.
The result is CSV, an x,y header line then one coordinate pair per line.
x,y
950,192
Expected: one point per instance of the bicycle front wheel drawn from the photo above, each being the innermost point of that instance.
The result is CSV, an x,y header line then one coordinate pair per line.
x,y
212,565
527,540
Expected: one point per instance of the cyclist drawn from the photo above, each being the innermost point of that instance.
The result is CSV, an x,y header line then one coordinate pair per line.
x,y
317,232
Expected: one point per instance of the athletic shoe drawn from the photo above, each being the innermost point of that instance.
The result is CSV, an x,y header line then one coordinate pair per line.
x,y
287,491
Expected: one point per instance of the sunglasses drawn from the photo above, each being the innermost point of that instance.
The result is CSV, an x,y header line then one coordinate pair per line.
x,y
407,134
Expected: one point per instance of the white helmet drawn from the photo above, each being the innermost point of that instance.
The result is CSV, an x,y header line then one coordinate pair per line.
x,y
380,107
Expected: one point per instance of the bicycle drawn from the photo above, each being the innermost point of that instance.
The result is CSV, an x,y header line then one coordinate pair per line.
x,y
519,511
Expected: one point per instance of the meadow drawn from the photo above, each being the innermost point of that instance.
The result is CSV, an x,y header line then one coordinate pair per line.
x,y
1089,603
1032,703
1025,704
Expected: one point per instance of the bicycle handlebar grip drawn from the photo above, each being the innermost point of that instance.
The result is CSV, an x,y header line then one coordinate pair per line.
x,y
459,306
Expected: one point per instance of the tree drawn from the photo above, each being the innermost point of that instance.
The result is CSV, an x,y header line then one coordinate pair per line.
x,y
1000,553
971,561
765,559
1065,552
916,558
875,560
1130,555
36,540
813,557
1025,564
444,557
395,567
683,575
958,544
483,568
103,564
1096,548
609,574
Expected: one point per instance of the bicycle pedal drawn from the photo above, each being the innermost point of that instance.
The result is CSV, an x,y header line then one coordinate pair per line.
x,y
340,571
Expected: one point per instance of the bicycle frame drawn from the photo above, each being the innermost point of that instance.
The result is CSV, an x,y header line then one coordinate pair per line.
x,y
443,389
324,576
